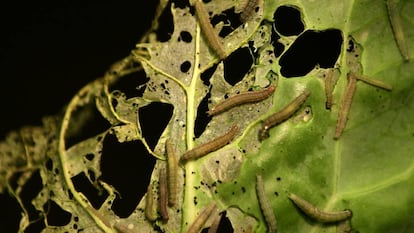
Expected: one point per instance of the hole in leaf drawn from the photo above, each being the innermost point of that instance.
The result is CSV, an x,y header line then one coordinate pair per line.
x,y
132,85
225,224
127,167
82,184
86,122
185,66
10,221
166,24
310,49
278,47
30,190
181,3
287,21
49,164
237,65
153,119
36,226
90,156
207,74
185,36
202,117
56,216
230,21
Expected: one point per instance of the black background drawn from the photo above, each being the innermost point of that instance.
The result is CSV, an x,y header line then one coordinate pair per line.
x,y
49,50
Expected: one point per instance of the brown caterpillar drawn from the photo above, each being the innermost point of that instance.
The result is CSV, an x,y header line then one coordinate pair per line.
x,y
202,218
214,226
242,98
163,194
208,30
210,146
317,214
397,29
344,227
149,204
345,106
374,82
172,173
282,115
248,10
265,206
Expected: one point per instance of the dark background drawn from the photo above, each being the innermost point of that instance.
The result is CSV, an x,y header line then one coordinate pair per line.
x,y
49,50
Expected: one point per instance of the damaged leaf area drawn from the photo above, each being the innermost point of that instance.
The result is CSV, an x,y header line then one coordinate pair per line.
x,y
315,102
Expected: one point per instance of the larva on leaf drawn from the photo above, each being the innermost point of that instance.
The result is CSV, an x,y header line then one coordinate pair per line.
x,y
344,227
374,82
397,28
149,204
282,115
210,146
163,194
208,30
249,9
345,106
172,173
319,215
242,98
215,225
329,89
202,218
265,206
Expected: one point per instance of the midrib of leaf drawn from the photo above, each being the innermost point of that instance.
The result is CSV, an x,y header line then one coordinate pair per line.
x,y
188,208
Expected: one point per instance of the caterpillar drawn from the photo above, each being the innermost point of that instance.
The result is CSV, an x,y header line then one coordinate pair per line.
x,y
374,82
149,204
345,106
344,227
210,146
248,10
282,115
242,98
265,206
317,214
172,173
163,194
214,226
208,30
397,29
202,218
329,89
